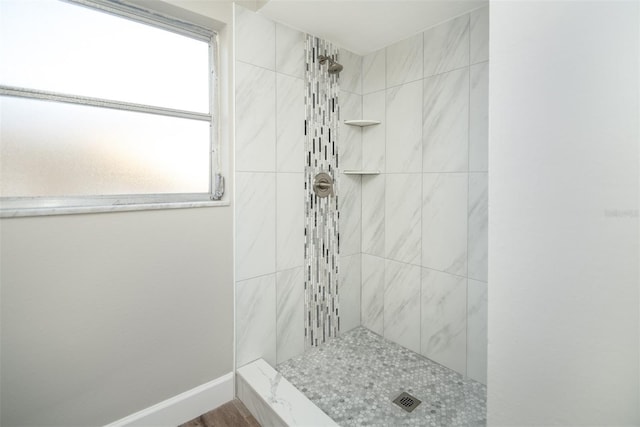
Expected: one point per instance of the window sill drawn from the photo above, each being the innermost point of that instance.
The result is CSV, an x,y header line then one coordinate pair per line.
x,y
69,210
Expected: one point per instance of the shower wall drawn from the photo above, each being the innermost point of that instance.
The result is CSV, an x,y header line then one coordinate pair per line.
x,y
424,219
350,189
269,171
269,188
413,240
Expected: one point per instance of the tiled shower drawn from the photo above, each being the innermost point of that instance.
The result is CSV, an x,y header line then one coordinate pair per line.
x,y
413,239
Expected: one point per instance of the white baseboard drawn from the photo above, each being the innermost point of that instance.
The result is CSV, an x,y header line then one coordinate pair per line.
x,y
183,407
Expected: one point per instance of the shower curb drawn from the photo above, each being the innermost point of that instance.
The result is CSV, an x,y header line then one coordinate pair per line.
x,y
274,401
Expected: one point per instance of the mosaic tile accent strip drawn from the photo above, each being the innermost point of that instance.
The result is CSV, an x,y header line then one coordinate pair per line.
x,y
322,238
355,378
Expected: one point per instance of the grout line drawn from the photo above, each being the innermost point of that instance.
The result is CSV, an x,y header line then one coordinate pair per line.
x,y
384,205
257,277
275,66
361,190
466,317
422,156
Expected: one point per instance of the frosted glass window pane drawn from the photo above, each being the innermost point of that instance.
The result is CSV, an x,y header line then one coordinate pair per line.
x,y
57,149
61,47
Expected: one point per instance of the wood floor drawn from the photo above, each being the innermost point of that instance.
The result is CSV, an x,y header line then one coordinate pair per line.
x,y
231,414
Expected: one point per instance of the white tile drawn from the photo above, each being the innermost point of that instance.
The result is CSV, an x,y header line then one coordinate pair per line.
x,y
444,222
289,51
350,205
404,128
404,61
256,320
255,38
478,227
255,119
372,293
350,78
349,284
445,122
289,220
446,46
373,214
402,217
350,137
402,304
260,409
255,224
479,118
373,71
373,137
290,313
285,404
479,34
444,319
477,331
289,124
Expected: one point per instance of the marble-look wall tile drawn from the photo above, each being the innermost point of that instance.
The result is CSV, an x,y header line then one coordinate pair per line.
x,y
479,33
256,320
444,319
402,304
289,51
255,119
290,124
444,222
349,285
373,137
477,331
350,137
446,46
373,213
255,224
404,61
479,118
374,71
255,38
478,226
373,293
289,220
349,205
402,217
290,313
350,78
446,122
404,128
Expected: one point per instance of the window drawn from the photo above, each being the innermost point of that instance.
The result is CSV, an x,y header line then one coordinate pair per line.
x,y
104,106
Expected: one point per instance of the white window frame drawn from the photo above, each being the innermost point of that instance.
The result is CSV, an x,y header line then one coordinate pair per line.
x,y
36,206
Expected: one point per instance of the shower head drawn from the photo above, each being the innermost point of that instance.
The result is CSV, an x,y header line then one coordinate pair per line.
x,y
334,67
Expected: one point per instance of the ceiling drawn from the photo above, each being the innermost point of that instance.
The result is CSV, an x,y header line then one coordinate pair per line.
x,y
364,26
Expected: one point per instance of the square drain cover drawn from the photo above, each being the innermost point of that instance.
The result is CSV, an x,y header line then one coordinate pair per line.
x,y
406,401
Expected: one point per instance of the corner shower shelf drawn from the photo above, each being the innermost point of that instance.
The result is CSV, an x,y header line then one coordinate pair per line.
x,y
362,123
356,172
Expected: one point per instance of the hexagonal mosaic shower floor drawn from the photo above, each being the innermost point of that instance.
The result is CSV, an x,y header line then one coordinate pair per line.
x,y
354,379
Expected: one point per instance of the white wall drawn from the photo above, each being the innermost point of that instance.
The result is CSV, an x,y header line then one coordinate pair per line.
x,y
563,213
104,315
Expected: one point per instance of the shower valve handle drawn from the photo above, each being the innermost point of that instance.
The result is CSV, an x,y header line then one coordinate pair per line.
x,y
323,185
